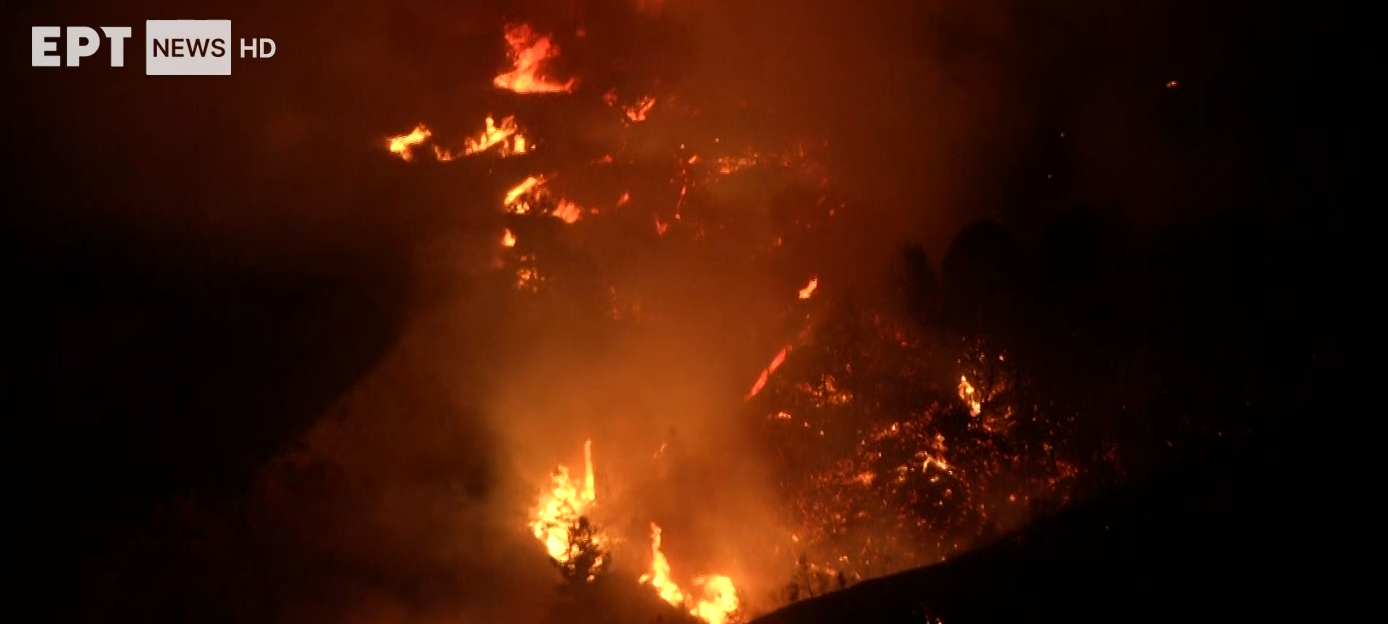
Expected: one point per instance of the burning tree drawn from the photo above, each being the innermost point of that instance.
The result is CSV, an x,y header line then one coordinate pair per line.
x,y
561,523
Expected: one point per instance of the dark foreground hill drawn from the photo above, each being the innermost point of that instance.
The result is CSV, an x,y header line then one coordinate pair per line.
x,y
1211,541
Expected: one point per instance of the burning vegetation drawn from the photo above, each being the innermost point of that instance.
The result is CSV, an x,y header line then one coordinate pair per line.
x,y
886,462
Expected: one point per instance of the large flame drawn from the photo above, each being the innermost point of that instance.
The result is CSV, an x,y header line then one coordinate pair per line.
x,y
528,53
719,596
719,599
560,508
659,576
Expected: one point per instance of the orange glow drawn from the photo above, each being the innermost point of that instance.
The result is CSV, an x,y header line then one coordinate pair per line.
x,y
970,397
443,155
494,135
561,506
589,492
659,576
515,197
528,53
719,597
568,211
508,240
401,144
637,111
622,201
808,290
766,372
719,600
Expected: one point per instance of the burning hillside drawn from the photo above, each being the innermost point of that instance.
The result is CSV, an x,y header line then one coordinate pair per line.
x,y
885,461
596,311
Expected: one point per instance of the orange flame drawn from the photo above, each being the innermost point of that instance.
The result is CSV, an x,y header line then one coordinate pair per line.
x,y
528,53
659,576
515,197
808,290
401,144
560,507
508,239
766,372
494,135
719,601
970,397
589,493
567,211
637,111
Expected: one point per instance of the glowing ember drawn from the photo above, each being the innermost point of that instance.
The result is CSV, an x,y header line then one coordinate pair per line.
x,y
567,211
808,290
401,144
719,601
659,576
969,396
637,111
443,154
514,196
766,372
508,239
528,53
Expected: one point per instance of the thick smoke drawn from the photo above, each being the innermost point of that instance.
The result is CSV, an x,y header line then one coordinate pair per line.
x,y
405,499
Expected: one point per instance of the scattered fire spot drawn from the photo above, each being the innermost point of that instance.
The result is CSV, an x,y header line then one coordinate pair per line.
x,y
528,54
400,145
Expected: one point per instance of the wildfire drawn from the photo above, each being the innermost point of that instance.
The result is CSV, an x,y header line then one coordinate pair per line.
x,y
508,239
969,396
401,144
766,372
659,576
561,508
567,211
515,197
719,601
528,53
494,135
719,595
808,290
637,111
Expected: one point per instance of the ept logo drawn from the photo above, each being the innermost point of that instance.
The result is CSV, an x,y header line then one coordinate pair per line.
x,y
172,47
